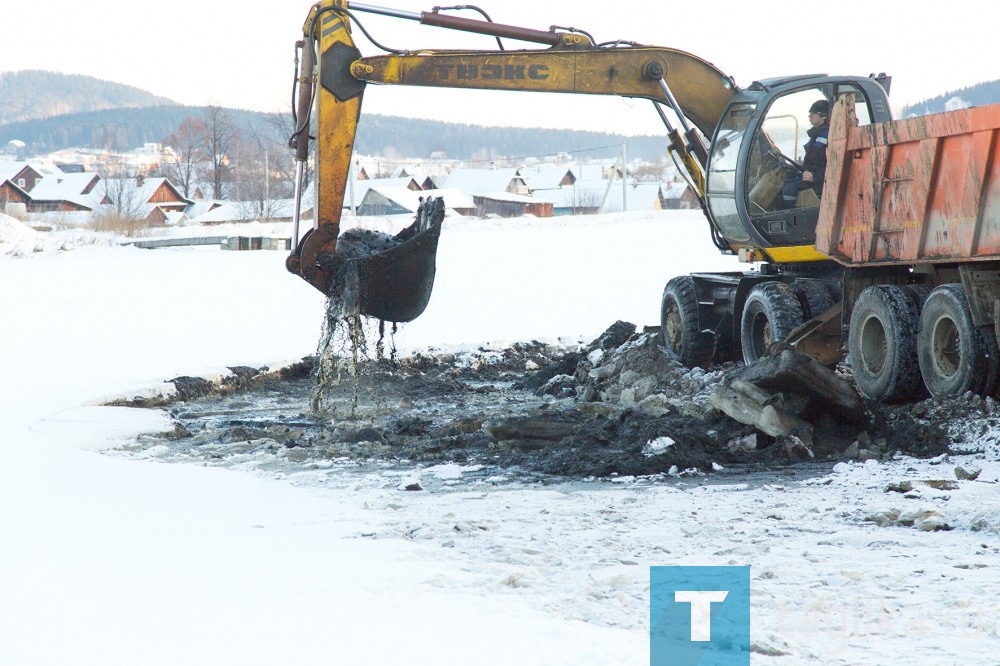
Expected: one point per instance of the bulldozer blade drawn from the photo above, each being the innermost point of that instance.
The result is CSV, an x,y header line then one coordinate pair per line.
x,y
388,278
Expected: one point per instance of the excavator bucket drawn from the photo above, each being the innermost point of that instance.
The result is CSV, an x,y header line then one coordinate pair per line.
x,y
362,272
386,277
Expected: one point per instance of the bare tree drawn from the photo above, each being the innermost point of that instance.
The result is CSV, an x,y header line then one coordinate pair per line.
x,y
649,173
586,200
123,209
263,173
186,154
218,143
251,181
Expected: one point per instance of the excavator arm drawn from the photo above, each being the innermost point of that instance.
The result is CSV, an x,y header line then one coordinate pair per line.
x,y
392,281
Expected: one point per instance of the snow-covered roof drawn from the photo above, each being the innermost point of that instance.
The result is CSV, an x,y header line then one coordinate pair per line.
x,y
360,187
201,206
142,189
410,200
218,212
75,188
673,190
9,170
592,193
581,194
175,218
225,211
545,177
516,198
475,181
593,171
638,197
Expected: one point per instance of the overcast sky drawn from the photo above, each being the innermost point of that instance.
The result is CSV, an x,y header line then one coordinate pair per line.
x,y
242,54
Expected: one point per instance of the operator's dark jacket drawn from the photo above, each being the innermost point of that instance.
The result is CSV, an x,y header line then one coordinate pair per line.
x,y
815,157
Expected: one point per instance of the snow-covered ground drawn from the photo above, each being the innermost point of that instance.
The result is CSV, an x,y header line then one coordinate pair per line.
x,y
110,561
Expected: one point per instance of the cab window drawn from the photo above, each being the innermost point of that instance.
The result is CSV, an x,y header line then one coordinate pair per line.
x,y
778,156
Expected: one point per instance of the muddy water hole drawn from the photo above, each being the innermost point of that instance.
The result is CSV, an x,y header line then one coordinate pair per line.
x,y
616,407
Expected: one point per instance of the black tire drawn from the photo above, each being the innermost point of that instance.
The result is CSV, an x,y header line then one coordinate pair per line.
x,y
770,313
882,342
956,356
680,330
918,293
814,298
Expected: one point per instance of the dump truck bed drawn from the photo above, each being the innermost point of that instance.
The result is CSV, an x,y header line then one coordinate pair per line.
x,y
918,190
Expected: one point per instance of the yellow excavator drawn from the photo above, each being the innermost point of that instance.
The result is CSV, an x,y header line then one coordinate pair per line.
x,y
736,147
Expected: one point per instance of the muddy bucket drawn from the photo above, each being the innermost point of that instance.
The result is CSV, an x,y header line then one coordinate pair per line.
x,y
387,277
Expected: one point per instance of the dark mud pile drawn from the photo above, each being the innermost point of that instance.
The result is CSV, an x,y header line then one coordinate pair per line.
x,y
617,406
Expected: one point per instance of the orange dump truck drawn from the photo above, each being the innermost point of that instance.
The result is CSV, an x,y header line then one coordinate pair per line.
x,y
911,209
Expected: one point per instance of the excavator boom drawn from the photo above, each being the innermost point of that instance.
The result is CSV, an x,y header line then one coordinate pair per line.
x,y
391,278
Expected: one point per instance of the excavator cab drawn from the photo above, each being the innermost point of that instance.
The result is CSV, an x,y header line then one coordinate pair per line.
x,y
757,152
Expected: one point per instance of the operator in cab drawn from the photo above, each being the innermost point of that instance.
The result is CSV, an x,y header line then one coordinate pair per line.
x,y
814,162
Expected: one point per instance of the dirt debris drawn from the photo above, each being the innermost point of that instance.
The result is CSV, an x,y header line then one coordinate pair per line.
x,y
618,406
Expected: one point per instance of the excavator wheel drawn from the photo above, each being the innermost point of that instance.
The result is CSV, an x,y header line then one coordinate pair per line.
x,y
679,326
771,312
814,298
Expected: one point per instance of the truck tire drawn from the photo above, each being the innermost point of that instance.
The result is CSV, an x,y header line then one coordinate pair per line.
x,y
918,293
956,356
680,329
814,298
771,312
882,342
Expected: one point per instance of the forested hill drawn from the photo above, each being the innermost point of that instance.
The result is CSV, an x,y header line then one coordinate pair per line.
x,y
36,94
50,111
122,130
980,94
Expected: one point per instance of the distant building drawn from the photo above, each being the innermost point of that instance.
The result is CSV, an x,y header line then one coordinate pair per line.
x,y
64,193
149,199
479,181
509,204
678,195
386,200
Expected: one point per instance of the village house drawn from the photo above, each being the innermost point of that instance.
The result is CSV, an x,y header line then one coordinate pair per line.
x,y
17,179
21,174
357,190
511,204
679,195
64,193
386,200
148,199
544,178
479,181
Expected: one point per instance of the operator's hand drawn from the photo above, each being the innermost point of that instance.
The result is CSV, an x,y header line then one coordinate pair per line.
x,y
807,177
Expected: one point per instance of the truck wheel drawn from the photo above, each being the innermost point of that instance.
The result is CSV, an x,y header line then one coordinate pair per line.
x,y
770,313
680,330
956,356
882,342
814,298
918,293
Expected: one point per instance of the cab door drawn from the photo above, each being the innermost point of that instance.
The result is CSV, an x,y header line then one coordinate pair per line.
x,y
783,207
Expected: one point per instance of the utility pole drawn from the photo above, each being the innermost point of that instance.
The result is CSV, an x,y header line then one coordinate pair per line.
x,y
350,181
624,177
